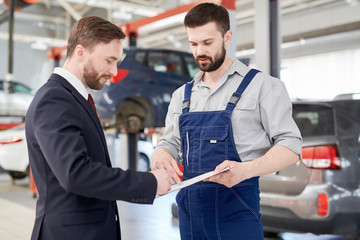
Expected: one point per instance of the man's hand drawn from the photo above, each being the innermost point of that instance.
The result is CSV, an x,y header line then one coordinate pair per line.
x,y
163,179
162,158
235,175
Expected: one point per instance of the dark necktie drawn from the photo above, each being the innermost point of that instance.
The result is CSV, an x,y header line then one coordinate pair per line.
x,y
91,101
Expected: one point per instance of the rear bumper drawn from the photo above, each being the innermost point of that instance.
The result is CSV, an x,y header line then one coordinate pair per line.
x,y
300,214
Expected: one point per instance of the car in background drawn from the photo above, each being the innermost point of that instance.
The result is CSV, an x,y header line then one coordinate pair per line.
x,y
14,157
16,101
320,193
13,152
140,94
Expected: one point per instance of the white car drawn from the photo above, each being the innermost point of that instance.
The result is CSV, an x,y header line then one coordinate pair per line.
x,y
13,152
14,156
17,102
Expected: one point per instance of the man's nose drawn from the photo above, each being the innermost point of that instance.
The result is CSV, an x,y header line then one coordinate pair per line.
x,y
200,50
113,70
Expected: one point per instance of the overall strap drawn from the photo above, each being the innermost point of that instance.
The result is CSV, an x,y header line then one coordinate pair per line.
x,y
243,85
187,95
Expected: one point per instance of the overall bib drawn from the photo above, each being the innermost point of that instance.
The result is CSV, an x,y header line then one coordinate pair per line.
x,y
207,210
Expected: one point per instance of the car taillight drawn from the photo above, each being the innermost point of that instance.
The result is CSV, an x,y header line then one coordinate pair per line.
x,y
321,157
121,74
10,140
322,204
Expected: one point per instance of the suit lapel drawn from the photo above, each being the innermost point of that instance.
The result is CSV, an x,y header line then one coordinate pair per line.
x,y
87,106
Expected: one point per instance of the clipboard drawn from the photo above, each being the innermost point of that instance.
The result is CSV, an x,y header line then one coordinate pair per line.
x,y
196,179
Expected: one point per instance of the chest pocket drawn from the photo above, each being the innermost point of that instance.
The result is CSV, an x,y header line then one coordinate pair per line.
x,y
205,147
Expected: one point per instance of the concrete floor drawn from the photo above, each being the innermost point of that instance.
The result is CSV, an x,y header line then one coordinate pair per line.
x,y
145,222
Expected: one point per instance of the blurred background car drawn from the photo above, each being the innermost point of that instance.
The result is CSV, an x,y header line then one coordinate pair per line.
x,y
16,101
139,95
321,193
13,152
15,161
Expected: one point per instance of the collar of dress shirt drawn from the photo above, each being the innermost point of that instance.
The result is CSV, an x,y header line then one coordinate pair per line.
x,y
73,80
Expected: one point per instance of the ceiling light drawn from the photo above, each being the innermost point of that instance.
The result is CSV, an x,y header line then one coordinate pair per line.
x,y
145,12
352,2
38,45
163,23
122,15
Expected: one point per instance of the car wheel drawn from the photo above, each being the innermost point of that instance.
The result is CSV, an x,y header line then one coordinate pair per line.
x,y
143,164
17,175
134,114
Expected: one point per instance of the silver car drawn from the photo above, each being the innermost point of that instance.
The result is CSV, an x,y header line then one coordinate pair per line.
x,y
17,102
321,193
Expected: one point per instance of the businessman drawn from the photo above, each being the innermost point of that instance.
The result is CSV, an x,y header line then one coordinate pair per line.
x,y
67,149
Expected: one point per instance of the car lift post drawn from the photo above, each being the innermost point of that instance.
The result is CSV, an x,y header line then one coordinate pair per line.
x,y
13,6
133,126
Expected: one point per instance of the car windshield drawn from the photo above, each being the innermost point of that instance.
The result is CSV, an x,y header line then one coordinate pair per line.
x,y
17,87
314,120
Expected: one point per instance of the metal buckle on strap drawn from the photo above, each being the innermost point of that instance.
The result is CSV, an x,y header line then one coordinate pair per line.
x,y
186,103
235,98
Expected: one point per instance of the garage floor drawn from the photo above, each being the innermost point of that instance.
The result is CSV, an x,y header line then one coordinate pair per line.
x,y
145,222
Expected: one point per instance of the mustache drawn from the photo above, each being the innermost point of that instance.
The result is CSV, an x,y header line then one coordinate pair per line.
x,y
108,76
203,56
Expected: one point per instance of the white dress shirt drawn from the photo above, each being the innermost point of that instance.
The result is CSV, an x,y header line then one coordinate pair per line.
x,y
73,80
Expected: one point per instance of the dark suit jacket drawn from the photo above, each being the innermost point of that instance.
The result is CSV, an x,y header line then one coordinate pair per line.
x,y
72,170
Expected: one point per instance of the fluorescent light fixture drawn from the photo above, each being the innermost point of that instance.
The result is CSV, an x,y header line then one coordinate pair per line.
x,y
38,45
145,12
122,15
163,23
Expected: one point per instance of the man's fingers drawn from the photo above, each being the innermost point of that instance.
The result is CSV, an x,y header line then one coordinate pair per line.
x,y
170,167
176,167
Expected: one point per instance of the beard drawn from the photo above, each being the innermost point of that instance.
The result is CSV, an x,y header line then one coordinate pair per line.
x,y
92,77
214,63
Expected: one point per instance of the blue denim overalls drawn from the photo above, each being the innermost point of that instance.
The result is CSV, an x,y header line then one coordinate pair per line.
x,y
209,210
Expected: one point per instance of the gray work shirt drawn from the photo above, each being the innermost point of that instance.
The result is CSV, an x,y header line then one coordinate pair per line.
x,y
261,119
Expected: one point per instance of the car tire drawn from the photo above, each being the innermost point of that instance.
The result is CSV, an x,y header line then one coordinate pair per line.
x,y
17,175
143,163
134,114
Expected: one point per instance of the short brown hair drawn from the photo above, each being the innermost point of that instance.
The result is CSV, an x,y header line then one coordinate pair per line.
x,y
204,13
91,30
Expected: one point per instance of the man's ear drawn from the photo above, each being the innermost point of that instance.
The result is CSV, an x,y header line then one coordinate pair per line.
x,y
79,51
227,37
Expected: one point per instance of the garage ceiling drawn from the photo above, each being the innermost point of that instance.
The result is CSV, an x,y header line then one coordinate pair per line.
x,y
332,23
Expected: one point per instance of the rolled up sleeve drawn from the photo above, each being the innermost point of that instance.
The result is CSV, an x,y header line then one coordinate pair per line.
x,y
276,117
